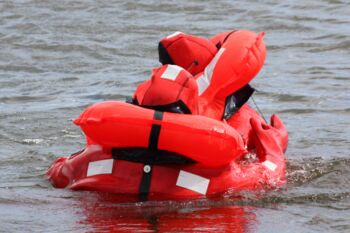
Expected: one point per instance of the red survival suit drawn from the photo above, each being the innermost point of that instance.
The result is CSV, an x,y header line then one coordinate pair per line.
x,y
213,80
200,77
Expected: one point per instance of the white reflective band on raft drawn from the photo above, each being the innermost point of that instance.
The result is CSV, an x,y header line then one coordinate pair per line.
x,y
174,34
100,167
270,165
192,182
171,72
204,80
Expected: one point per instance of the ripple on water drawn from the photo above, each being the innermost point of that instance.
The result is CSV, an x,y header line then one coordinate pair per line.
x,y
57,57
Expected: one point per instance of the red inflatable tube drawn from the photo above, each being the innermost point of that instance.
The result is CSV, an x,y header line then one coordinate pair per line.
x,y
116,124
220,38
238,61
95,169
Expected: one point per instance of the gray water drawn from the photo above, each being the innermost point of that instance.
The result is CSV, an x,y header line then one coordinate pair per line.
x,y
57,57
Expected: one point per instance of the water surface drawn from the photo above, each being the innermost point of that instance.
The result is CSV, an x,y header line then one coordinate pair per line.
x,y
57,57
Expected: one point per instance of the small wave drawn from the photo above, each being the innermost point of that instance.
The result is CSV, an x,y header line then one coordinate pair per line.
x,y
105,97
319,70
24,99
307,198
343,46
293,98
32,141
21,68
299,110
330,36
307,170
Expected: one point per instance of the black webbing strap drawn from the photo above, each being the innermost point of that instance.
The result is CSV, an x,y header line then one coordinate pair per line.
x,y
142,155
219,44
147,168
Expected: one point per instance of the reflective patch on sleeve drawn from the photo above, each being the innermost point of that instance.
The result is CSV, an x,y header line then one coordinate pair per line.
x,y
204,80
270,165
100,167
193,182
171,72
174,34
202,83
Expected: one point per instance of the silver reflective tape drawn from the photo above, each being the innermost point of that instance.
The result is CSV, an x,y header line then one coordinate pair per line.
x,y
174,34
171,72
193,182
203,81
270,165
100,167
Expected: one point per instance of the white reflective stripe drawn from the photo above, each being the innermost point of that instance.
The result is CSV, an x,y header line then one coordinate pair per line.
x,y
202,83
193,182
174,34
171,72
204,80
100,167
270,165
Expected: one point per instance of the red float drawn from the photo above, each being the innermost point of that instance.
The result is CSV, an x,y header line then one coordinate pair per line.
x,y
155,154
192,53
115,124
239,59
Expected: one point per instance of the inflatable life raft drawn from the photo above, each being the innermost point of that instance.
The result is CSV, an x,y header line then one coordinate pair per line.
x,y
187,132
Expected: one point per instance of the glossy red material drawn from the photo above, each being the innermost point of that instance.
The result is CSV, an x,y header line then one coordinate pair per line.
x,y
168,84
116,124
238,61
223,150
268,171
192,53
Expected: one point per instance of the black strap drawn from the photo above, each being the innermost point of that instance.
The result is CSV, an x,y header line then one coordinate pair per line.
x,y
164,56
236,100
175,107
154,137
145,183
228,35
148,167
142,155
219,44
